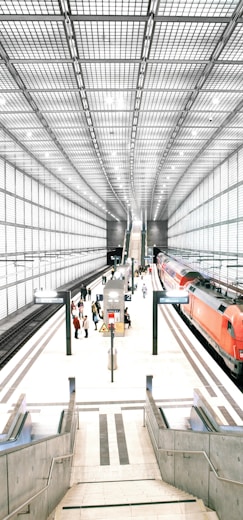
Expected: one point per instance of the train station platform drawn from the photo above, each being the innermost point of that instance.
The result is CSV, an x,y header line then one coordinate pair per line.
x,y
114,464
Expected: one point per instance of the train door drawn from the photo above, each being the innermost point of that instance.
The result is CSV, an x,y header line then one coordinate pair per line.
x,y
227,335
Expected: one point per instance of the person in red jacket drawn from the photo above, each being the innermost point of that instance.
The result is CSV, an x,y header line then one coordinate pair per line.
x,y
76,324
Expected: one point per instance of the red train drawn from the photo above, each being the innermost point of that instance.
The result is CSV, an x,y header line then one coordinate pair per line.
x,y
218,317
174,274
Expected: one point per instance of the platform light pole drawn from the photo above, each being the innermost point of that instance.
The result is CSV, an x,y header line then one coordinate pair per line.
x,y
112,344
132,275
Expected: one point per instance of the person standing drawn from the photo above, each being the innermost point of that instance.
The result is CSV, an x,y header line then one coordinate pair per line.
x,y
76,324
93,310
96,320
144,290
73,308
94,314
98,307
86,326
81,308
84,293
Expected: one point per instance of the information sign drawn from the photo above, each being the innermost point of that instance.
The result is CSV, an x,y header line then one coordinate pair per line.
x,y
39,299
172,296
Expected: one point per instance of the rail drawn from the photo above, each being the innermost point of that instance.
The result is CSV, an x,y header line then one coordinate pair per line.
x,y
33,497
17,413
12,340
196,452
213,480
69,425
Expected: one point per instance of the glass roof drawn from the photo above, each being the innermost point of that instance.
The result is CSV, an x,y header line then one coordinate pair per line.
x,y
127,103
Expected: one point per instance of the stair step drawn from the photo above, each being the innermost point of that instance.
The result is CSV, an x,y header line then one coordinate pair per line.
x,y
169,511
156,500
127,492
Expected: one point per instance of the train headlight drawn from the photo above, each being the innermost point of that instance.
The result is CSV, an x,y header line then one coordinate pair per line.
x,y
241,354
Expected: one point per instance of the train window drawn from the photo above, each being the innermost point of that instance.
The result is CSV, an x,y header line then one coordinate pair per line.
x,y
192,289
222,308
230,329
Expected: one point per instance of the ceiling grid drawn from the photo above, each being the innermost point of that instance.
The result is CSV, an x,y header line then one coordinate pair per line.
x,y
134,101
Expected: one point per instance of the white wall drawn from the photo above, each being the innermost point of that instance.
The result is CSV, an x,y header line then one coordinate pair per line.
x,y
211,219
45,239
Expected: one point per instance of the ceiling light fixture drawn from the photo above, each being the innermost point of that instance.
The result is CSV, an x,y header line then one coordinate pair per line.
x,y
109,100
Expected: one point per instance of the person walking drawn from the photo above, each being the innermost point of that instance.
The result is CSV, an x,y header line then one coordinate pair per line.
x,y
127,318
76,324
144,290
86,326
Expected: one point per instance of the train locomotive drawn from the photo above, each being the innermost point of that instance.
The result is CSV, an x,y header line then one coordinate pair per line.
x,y
218,317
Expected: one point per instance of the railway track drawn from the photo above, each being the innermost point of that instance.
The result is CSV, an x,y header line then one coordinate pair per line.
x,y
13,339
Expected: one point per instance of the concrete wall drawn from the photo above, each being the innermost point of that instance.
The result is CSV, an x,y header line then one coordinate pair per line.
x,y
115,233
25,471
207,465
157,233
35,477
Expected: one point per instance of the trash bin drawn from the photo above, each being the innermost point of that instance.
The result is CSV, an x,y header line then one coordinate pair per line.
x,y
114,359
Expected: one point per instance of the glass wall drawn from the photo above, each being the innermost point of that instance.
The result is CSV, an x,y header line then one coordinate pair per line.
x,y
210,221
46,239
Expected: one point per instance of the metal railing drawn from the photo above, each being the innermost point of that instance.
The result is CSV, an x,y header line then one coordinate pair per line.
x,y
38,493
193,452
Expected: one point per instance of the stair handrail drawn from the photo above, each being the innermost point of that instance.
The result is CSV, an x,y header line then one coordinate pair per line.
x,y
33,497
195,452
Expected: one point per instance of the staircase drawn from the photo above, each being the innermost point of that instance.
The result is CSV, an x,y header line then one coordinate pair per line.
x,y
135,244
139,499
115,473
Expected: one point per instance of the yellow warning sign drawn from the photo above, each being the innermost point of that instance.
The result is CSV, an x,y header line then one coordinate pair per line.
x,y
104,328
